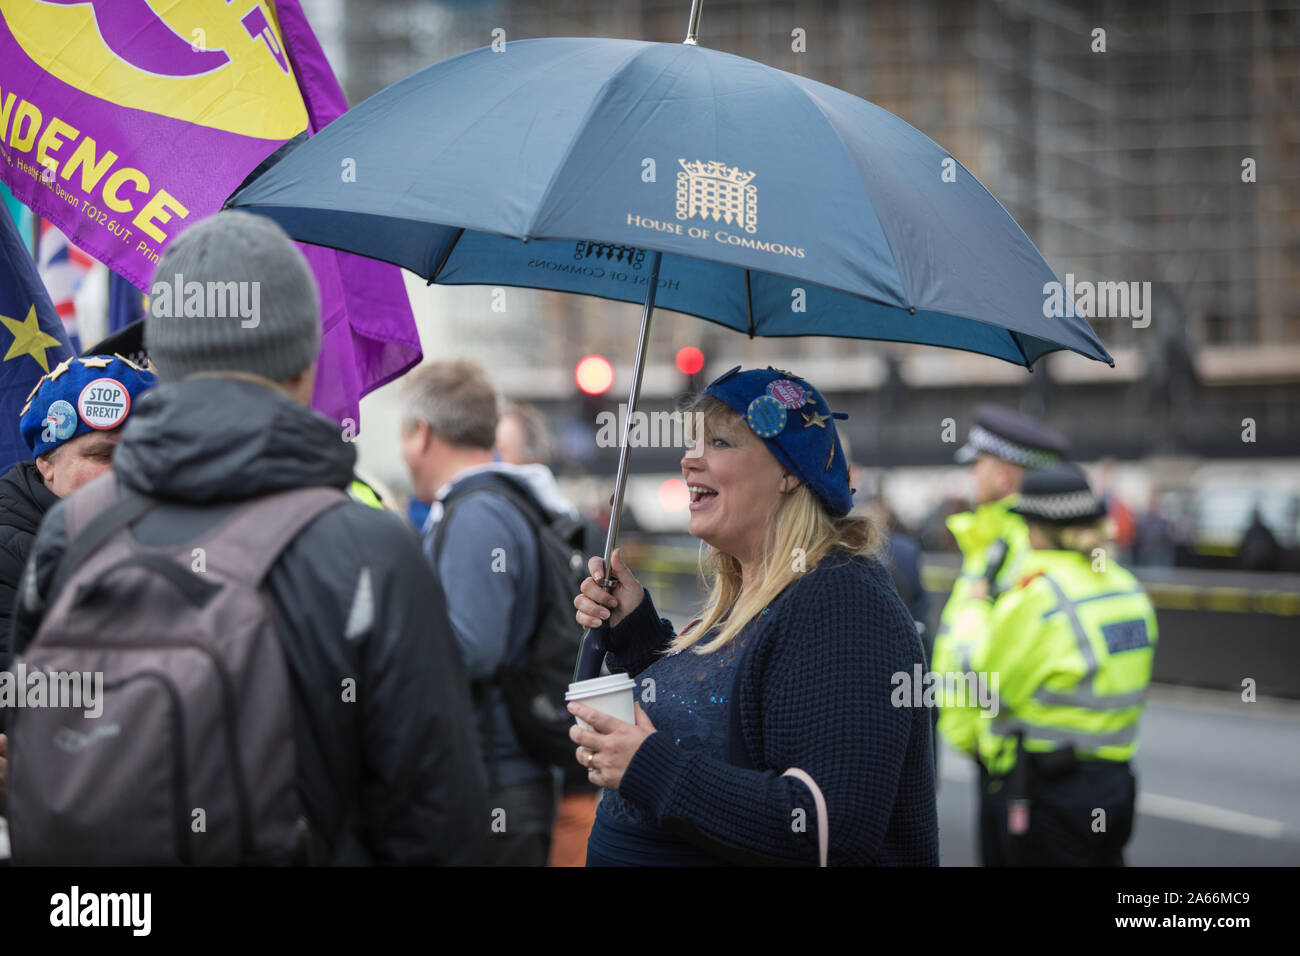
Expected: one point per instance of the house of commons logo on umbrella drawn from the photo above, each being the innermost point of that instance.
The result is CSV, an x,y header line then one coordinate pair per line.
x,y
714,190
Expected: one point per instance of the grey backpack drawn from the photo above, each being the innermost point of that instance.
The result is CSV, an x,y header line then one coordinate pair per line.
x,y
191,760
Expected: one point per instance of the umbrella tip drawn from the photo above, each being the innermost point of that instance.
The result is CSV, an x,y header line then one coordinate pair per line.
x,y
693,28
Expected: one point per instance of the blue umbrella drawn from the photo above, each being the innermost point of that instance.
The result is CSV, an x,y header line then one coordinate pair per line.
x,y
676,175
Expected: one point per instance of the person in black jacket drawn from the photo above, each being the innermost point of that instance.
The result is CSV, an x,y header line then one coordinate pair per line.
x,y
24,499
72,441
393,776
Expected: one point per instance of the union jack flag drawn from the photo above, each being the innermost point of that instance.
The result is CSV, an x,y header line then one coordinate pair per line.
x,y
63,268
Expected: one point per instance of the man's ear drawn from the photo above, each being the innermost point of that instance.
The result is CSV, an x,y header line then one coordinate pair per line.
x,y
45,465
425,436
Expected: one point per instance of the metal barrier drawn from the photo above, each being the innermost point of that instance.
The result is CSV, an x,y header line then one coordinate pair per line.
x,y
1218,629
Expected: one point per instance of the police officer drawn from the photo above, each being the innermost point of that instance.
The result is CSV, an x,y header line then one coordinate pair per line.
x,y
1071,645
1003,444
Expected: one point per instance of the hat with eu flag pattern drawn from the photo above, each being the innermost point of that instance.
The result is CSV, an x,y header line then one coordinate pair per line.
x,y
797,425
81,395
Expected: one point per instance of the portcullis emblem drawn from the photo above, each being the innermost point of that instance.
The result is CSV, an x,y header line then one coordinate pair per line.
x,y
714,190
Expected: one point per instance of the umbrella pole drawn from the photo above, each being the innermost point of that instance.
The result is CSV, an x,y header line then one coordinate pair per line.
x,y
592,653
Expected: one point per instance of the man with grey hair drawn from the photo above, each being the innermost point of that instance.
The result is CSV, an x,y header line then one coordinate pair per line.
x,y
522,435
390,772
487,557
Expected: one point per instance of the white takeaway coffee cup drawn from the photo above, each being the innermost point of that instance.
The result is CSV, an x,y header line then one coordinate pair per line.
x,y
612,694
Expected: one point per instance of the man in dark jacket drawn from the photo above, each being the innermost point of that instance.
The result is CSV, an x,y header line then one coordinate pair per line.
x,y
487,559
392,775
24,499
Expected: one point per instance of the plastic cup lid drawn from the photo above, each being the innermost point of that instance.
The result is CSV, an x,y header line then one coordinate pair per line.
x,y
599,685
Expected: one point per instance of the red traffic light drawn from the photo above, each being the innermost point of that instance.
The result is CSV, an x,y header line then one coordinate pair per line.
x,y
593,374
690,360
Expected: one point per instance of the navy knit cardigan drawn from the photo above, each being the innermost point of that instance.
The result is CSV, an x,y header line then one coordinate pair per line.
x,y
813,688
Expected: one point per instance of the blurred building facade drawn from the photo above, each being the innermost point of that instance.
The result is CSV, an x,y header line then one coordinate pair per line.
x,y
1152,142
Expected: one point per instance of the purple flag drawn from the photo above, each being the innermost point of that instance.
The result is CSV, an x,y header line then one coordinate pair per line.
x,y
368,334
125,127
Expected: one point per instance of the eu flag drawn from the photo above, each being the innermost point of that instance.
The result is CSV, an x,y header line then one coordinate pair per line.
x,y
31,338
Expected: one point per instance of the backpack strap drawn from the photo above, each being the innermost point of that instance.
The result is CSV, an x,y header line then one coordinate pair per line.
x,y
248,543
98,510
503,487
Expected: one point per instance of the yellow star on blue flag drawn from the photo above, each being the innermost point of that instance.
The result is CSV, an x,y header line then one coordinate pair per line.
x,y
31,334
29,339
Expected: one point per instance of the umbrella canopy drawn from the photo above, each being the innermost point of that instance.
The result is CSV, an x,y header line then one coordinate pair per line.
x,y
781,206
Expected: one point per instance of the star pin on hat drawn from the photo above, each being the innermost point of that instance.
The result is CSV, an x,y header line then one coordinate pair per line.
x,y
797,426
81,395
1012,436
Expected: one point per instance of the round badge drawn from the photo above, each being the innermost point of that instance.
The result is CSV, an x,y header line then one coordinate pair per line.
x,y
104,403
62,419
786,392
766,416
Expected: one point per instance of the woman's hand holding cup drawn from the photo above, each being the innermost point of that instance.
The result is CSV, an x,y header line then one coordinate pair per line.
x,y
597,606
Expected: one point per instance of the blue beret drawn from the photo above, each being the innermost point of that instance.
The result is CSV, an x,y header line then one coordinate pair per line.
x,y
797,426
81,395
1012,436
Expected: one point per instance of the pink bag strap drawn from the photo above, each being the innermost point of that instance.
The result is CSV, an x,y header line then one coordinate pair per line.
x,y
823,834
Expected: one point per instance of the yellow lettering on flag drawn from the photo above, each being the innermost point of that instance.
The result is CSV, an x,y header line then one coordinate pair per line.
x,y
209,62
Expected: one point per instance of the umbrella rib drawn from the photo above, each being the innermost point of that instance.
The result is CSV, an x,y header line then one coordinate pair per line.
x,y
578,130
433,276
1015,337
812,99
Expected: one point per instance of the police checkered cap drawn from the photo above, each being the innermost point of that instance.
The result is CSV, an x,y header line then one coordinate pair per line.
x,y
1059,494
1072,507
1012,436
983,440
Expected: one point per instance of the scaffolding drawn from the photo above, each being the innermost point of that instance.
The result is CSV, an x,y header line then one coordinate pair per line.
x,y
1123,162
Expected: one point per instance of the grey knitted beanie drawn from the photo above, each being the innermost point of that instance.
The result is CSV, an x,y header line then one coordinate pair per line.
x,y
233,293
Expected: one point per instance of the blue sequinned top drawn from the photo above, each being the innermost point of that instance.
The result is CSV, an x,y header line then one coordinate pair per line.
x,y
687,696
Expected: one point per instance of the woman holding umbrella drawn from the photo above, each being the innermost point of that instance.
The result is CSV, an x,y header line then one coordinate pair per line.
x,y
791,666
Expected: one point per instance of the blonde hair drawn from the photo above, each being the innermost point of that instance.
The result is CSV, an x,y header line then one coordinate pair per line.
x,y
800,535
1083,538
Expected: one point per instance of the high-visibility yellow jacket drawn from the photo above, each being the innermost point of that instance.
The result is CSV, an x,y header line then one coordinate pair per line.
x,y
977,532
364,493
1071,647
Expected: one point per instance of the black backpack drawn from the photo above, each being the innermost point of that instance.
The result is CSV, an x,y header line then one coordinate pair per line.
x,y
534,681
191,758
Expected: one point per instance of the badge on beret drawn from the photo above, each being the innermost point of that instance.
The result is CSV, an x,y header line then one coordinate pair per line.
x,y
815,418
766,416
62,420
789,394
104,403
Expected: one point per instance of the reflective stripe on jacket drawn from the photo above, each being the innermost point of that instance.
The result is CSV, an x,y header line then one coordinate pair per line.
x,y
1071,648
